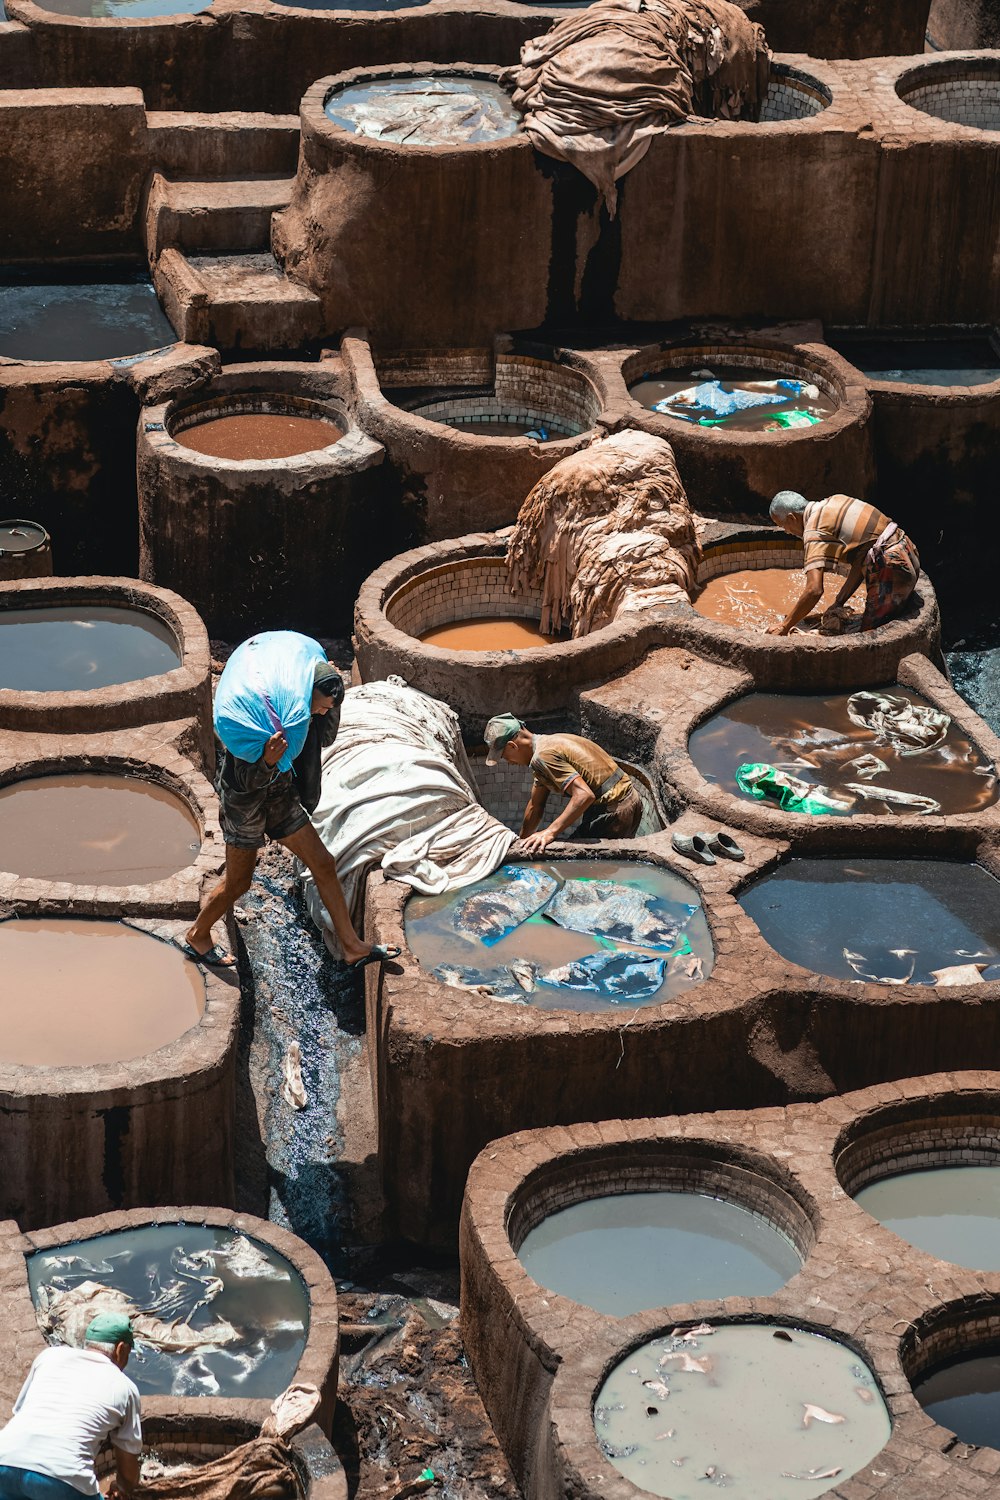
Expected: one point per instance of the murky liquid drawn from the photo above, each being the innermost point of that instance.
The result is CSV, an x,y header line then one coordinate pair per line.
x,y
957,362
660,392
488,633
78,992
890,921
439,937
765,1417
20,536
626,1252
76,647
86,318
757,598
951,1212
259,435
166,1271
95,830
499,428
125,10
425,111
814,739
964,1396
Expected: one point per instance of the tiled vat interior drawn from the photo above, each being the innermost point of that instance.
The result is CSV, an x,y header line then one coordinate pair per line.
x,y
875,1151
239,403
963,93
793,95
525,389
750,553
463,590
504,789
945,1333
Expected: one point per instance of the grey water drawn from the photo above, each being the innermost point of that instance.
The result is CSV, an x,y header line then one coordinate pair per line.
x,y
77,647
951,1212
964,1396
626,1252
766,1413
353,4
885,920
946,362
99,315
167,1270
124,10
431,111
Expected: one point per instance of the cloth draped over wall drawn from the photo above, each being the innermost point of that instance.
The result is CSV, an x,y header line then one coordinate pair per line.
x,y
398,793
606,531
595,89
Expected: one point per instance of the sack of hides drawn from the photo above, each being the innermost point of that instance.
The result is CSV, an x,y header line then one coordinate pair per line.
x,y
607,530
264,1466
398,793
267,685
597,87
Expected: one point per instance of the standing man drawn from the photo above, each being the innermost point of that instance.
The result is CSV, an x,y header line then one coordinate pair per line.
x,y
840,529
72,1402
596,789
270,793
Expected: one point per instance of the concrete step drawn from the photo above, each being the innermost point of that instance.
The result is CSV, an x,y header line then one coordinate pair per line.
x,y
226,214
229,144
236,301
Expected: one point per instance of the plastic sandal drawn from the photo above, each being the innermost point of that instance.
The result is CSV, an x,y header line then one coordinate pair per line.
x,y
722,846
213,958
380,954
693,846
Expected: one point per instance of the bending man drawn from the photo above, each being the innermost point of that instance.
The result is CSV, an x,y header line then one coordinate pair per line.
x,y
72,1402
272,795
844,530
596,789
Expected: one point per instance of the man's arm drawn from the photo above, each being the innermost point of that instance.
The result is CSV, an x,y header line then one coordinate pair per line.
x,y
251,776
534,810
578,798
808,600
127,1470
852,581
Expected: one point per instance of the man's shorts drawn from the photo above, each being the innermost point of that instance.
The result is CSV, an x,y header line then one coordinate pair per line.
x,y
272,812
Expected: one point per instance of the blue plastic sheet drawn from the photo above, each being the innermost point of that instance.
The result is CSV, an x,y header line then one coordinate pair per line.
x,y
711,398
267,685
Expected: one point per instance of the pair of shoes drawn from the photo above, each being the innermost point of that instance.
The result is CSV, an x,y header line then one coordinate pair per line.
x,y
706,848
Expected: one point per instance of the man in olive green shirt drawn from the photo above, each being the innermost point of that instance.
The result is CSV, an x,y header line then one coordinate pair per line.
x,y
596,789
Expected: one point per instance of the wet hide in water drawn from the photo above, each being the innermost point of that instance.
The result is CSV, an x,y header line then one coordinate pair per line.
x,y
66,1314
617,976
595,89
910,728
604,908
608,530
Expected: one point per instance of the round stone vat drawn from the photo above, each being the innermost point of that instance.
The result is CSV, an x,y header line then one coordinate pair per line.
x,y
882,921
25,551
573,934
748,419
125,1045
730,615
133,837
504,790
951,1357
101,653
786,1409
261,460
486,660
86,315
471,431
403,268
879,751
793,94
257,1305
958,90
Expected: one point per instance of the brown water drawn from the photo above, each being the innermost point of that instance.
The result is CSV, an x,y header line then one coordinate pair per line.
x,y
757,598
259,435
76,647
488,633
814,739
486,428
97,830
766,1413
657,393
80,992
21,536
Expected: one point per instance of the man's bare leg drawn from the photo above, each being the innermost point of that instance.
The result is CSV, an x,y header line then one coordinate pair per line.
x,y
240,864
307,845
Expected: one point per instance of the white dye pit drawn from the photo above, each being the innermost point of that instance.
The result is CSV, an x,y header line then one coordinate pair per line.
x,y
445,111
766,1413
626,1252
951,1212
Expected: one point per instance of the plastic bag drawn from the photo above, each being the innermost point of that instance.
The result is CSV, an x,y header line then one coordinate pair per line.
x,y
763,781
267,685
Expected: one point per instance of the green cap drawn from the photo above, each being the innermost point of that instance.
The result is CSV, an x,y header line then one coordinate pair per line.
x,y
499,732
109,1328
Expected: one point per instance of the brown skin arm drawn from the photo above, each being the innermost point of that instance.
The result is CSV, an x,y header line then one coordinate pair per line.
x,y
852,580
578,798
810,597
127,1468
534,810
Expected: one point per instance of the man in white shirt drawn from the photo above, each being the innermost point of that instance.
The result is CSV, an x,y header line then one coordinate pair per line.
x,y
72,1402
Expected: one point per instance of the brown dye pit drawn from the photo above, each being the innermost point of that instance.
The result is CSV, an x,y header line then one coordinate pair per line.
x,y
488,633
101,830
76,993
259,435
757,598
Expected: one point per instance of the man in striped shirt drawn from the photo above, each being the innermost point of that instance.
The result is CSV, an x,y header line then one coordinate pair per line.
x,y
842,530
